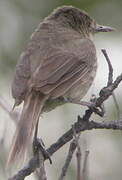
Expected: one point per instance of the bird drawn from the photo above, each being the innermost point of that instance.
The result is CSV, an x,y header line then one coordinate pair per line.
x,y
57,66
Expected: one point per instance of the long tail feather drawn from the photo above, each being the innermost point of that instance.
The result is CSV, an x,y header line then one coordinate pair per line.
x,y
30,114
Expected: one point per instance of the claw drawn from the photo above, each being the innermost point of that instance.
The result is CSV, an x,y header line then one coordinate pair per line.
x,y
38,145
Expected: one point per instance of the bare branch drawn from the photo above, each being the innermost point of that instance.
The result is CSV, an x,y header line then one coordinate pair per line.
x,y
40,172
84,170
107,91
116,105
110,76
110,80
27,170
81,125
78,156
72,148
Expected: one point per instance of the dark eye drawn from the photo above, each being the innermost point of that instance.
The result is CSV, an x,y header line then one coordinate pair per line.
x,y
100,27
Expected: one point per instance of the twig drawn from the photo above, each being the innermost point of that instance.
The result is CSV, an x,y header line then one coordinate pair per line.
x,y
110,75
27,170
84,170
107,91
110,80
79,126
72,148
116,105
78,153
78,156
40,172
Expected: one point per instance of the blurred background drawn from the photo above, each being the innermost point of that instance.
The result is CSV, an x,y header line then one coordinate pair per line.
x,y
18,19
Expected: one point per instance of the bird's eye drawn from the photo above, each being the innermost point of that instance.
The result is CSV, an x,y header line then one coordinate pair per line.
x,y
100,27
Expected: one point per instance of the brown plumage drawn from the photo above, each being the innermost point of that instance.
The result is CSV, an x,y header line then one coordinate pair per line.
x,y
59,61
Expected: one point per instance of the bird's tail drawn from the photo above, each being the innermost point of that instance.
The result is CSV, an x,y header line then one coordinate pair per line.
x,y
32,108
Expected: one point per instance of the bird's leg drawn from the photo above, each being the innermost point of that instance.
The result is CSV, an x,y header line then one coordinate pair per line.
x,y
91,104
83,103
100,110
38,145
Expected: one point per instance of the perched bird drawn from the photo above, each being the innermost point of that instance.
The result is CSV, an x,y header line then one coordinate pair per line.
x,y
58,63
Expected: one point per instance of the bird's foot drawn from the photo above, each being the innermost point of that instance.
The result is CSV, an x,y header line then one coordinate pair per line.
x,y
38,145
100,110
91,104
83,103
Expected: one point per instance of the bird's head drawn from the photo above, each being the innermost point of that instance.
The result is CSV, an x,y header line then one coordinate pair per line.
x,y
78,20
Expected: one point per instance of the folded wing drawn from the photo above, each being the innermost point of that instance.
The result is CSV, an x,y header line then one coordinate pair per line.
x,y
63,68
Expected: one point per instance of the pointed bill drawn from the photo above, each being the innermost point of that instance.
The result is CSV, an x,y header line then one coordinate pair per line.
x,y
100,28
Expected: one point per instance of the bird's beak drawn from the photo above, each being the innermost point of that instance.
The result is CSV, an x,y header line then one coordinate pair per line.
x,y
100,28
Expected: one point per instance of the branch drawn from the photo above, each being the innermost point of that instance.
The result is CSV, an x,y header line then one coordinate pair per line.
x,y
79,159
82,124
41,172
110,75
84,170
72,148
73,145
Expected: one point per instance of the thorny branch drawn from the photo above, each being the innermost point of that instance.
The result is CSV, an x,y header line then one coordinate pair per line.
x,y
82,124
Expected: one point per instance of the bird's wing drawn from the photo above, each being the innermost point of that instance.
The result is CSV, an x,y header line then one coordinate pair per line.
x,y
63,68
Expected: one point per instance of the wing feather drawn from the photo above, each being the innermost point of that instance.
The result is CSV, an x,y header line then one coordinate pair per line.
x,y
63,69
56,67
59,70
47,87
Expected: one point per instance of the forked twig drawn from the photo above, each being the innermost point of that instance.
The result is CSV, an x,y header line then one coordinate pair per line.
x,y
110,80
